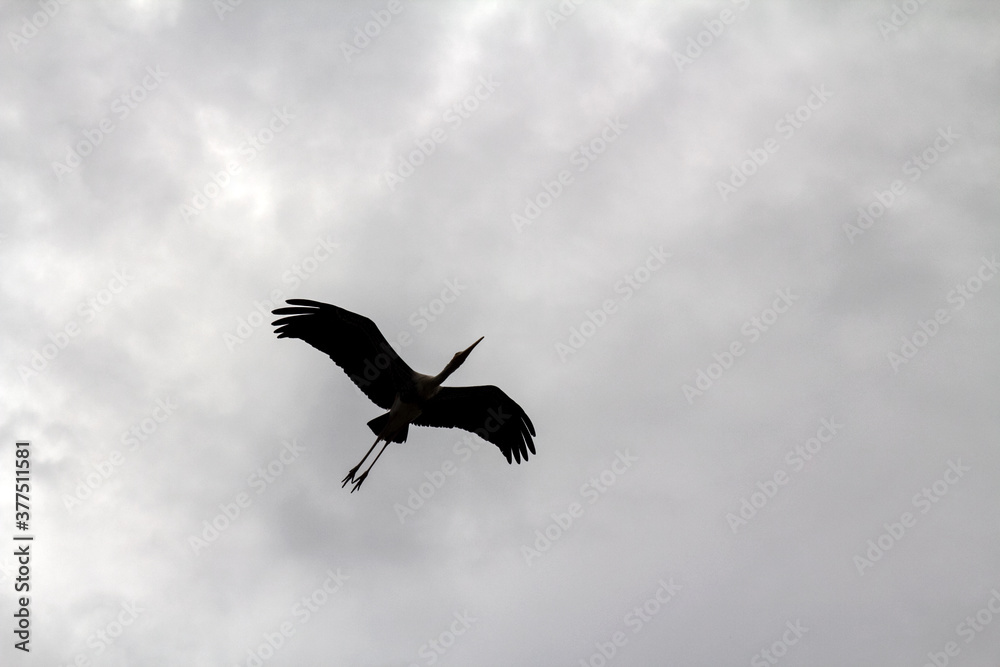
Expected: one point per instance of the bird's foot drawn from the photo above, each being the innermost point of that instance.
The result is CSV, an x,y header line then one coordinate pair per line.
x,y
350,476
358,481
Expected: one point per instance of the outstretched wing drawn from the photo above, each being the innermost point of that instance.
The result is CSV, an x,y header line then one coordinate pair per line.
x,y
353,342
486,411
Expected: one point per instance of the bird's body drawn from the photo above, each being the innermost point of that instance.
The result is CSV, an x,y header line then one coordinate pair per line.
x,y
398,419
357,346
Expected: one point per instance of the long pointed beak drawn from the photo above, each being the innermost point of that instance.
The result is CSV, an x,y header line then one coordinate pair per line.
x,y
455,362
466,352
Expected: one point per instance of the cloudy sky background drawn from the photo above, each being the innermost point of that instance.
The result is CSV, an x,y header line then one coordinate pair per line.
x,y
238,158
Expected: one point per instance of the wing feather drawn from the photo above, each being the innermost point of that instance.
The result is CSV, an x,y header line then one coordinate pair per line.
x,y
353,342
486,411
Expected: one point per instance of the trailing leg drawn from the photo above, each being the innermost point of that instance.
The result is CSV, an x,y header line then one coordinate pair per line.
x,y
354,470
359,480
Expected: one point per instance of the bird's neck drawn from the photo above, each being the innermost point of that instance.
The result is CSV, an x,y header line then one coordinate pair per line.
x,y
428,385
448,370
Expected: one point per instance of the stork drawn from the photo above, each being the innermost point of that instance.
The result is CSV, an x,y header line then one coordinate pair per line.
x,y
357,346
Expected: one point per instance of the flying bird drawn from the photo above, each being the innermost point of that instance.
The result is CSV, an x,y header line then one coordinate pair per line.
x,y
357,346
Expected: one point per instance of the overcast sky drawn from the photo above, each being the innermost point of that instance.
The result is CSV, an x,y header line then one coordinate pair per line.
x,y
736,259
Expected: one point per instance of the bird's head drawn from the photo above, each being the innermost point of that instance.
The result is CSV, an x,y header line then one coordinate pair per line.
x,y
460,357
455,362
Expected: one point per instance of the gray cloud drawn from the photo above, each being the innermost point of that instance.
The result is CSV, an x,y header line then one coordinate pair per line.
x,y
219,162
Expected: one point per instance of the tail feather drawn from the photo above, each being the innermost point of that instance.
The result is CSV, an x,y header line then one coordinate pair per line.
x,y
377,424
